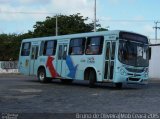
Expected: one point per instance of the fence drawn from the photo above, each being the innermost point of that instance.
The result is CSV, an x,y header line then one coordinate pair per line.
x,y
8,66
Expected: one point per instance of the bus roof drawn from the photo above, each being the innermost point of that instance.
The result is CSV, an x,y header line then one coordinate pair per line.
x,y
111,32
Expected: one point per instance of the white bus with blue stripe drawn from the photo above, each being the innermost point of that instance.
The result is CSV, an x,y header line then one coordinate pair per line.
x,y
108,56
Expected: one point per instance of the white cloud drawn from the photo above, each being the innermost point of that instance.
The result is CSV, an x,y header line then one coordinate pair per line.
x,y
4,1
73,6
139,18
66,7
34,2
85,7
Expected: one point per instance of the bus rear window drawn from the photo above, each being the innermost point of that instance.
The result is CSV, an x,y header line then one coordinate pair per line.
x,y
94,45
25,49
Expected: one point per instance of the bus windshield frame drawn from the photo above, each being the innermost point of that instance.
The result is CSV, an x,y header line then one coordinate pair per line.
x,y
133,49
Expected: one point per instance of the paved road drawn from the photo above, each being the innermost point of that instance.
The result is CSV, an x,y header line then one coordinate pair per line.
x,y
23,94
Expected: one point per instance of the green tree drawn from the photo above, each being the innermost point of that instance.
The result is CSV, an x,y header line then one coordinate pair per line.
x,y
102,29
66,25
8,44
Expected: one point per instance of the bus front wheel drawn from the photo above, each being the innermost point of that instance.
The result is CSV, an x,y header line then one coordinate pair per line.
x,y
42,76
92,78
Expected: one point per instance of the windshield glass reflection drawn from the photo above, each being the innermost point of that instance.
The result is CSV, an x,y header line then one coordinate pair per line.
x,y
133,53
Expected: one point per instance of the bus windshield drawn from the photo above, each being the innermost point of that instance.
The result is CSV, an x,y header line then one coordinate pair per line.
x,y
133,53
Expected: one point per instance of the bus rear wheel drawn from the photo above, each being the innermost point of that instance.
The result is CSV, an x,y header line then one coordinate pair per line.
x,y
42,76
92,78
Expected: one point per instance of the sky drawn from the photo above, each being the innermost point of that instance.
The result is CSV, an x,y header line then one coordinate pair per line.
x,y
19,16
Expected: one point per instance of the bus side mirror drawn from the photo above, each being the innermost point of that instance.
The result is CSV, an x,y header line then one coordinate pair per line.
x,y
150,53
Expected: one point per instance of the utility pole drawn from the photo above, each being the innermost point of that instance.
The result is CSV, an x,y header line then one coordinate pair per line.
x,y
95,16
156,27
56,25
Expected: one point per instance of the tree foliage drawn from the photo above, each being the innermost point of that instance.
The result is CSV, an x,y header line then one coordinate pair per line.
x,y
10,43
66,25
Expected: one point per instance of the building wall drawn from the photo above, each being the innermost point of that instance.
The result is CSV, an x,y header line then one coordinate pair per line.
x,y
154,67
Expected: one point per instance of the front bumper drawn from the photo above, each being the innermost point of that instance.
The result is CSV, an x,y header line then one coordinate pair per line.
x,y
131,78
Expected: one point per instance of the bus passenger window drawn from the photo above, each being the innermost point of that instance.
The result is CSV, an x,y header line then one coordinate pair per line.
x,y
60,52
113,50
76,51
108,51
50,48
94,45
34,53
92,50
25,49
77,46
64,52
41,48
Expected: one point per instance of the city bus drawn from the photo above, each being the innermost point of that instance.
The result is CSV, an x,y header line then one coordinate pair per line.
x,y
109,56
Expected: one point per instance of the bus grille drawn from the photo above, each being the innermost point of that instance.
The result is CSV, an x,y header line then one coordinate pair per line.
x,y
135,70
133,79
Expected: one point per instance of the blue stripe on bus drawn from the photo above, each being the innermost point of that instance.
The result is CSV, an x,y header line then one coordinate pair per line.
x,y
71,67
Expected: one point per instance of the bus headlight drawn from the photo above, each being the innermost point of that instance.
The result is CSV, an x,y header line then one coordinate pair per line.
x,y
122,71
146,74
146,70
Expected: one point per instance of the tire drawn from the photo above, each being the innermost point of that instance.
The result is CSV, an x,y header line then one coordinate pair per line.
x,y
118,85
42,76
66,81
92,78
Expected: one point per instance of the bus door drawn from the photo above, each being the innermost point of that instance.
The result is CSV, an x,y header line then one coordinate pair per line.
x,y
33,58
61,60
109,60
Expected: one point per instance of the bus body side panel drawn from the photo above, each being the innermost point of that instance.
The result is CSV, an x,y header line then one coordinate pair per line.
x,y
24,65
49,63
42,62
96,61
82,62
24,61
